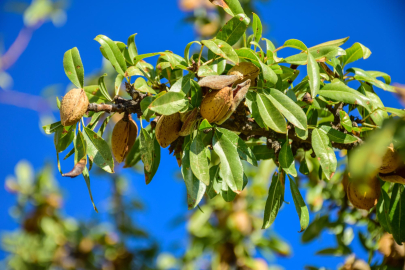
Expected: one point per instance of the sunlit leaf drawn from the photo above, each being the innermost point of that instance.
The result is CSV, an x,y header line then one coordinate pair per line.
x,y
324,152
72,63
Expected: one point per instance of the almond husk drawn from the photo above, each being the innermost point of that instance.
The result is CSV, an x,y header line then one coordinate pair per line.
x,y
397,176
364,195
189,123
73,107
123,137
215,104
167,129
390,161
245,71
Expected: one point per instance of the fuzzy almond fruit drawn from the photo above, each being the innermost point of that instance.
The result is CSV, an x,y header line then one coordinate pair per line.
x,y
73,107
123,137
215,104
390,161
189,123
167,129
397,176
245,71
364,195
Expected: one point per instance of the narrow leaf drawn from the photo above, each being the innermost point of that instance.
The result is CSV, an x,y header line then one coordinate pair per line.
x,y
300,205
324,152
286,159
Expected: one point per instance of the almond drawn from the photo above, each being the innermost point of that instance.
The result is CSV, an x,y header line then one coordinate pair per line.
x,y
123,137
73,107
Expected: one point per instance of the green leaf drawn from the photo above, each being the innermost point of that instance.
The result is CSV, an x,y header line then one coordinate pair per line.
x,y
93,93
376,106
205,71
87,179
337,136
80,147
376,74
204,125
324,152
270,115
232,7
114,54
169,103
286,159
233,30
257,28
345,121
231,166
117,84
354,53
397,112
244,151
63,137
262,152
215,185
362,75
51,128
274,200
296,44
141,85
183,84
132,49
287,107
196,94
252,104
103,88
313,75
145,102
198,159
222,49
195,188
397,213
103,126
336,43
340,92
134,155
187,51
304,167
72,63
320,54
98,150
383,211
150,154
94,120
300,205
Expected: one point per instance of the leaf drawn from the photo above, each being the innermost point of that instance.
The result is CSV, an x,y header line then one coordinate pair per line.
x,y
195,187
257,28
72,63
262,152
337,43
215,185
198,159
321,54
296,44
383,211
204,125
222,49
169,103
397,213
345,121
51,128
150,154
80,147
340,92
233,30
187,51
362,75
253,108
337,136
227,194
63,137
146,112
141,85
93,93
103,88
244,151
103,126
274,200
205,71
270,115
287,107
231,166
397,112
117,84
183,84
132,49
376,74
354,53
286,159
376,106
196,94
300,205
98,150
304,167
324,152
313,75
232,7
114,54
87,179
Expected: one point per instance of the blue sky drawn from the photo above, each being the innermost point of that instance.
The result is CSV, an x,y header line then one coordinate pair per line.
x,y
378,24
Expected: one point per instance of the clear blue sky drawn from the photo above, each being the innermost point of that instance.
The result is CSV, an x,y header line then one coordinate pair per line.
x,y
378,24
